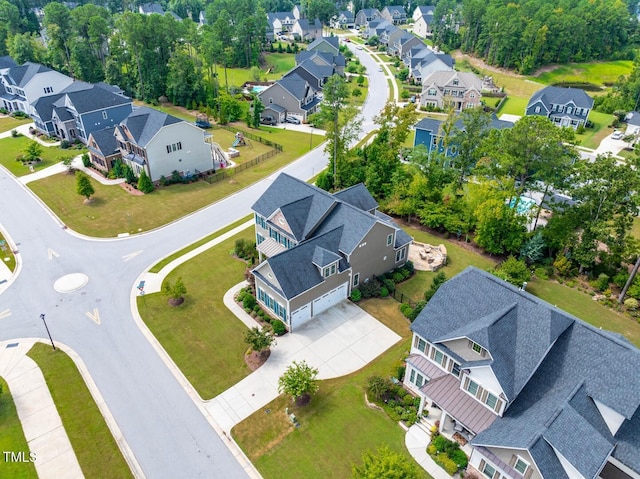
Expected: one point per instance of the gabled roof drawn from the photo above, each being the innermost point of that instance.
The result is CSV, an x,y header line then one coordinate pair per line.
x,y
305,25
555,95
22,75
633,118
369,12
95,97
62,113
323,257
333,41
294,84
358,196
433,125
395,10
44,106
106,142
7,62
346,15
144,123
564,364
149,8
442,79
425,10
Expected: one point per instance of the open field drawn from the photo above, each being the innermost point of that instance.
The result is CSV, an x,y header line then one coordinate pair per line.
x,y
12,439
11,148
336,428
115,211
600,73
95,447
202,336
8,123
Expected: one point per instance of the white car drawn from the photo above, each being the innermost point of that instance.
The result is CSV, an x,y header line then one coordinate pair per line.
x,y
359,47
617,135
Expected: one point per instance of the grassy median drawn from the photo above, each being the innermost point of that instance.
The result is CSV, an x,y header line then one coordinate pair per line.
x,y
12,439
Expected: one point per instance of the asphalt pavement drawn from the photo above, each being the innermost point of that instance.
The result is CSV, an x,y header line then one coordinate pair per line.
x,y
166,432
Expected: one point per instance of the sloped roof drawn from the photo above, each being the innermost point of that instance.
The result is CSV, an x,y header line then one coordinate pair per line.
x,y
425,9
62,113
95,97
323,257
149,8
326,57
7,62
44,106
369,12
433,125
358,196
106,141
294,84
333,41
555,95
442,79
633,118
144,123
396,10
305,25
22,75
346,14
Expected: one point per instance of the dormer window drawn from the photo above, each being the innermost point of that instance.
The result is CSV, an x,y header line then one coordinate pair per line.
x,y
521,465
329,270
477,348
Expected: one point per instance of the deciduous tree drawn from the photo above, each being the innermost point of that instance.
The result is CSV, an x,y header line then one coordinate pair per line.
x,y
299,382
83,185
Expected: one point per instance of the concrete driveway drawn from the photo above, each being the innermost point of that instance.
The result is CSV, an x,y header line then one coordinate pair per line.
x,y
340,341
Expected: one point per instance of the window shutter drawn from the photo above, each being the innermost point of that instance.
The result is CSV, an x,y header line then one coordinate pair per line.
x,y
450,365
466,383
427,350
482,464
483,396
469,344
528,472
498,405
513,460
496,475
483,353
480,391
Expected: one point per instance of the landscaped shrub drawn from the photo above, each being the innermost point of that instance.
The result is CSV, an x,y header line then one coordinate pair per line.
x,y
541,273
406,310
620,279
249,302
64,144
459,457
437,281
378,389
514,271
563,266
389,284
370,289
446,463
278,327
245,249
397,277
631,304
400,372
86,161
602,283
447,454
356,295
417,310
15,134
384,292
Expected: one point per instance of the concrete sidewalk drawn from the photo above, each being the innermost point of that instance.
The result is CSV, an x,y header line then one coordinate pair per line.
x,y
24,130
416,440
61,168
41,423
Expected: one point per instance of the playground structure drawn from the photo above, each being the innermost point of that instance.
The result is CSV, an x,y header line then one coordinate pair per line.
x,y
240,140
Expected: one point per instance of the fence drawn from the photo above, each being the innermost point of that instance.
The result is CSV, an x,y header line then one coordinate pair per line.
x,y
400,297
251,136
226,173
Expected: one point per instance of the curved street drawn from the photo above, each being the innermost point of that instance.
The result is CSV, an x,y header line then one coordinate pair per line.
x,y
167,432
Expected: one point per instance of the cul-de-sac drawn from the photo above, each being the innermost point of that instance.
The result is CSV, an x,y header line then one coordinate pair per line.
x,y
354,239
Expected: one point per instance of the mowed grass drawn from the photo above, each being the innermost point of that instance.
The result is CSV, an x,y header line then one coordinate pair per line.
x,y
458,258
336,427
279,64
12,439
603,73
91,439
8,123
6,255
202,336
114,211
11,148
593,136
513,106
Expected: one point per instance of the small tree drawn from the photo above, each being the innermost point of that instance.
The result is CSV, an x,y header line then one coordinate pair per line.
x,y
129,175
83,185
144,182
86,161
514,271
33,151
175,292
67,162
299,382
260,340
385,463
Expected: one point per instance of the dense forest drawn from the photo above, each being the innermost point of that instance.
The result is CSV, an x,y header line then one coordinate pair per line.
x,y
526,34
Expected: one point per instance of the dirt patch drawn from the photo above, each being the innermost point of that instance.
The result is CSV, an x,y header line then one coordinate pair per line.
x,y
176,302
255,359
480,64
130,189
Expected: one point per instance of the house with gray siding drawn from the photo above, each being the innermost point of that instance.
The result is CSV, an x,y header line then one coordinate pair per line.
x,y
292,93
459,90
532,391
568,107
394,14
315,247
364,16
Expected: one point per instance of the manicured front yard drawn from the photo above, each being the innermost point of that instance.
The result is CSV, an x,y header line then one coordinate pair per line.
x,y
336,428
8,123
11,148
91,439
6,255
114,211
593,136
202,336
513,105
12,439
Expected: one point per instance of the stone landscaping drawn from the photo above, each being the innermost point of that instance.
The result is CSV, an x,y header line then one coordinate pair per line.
x,y
426,257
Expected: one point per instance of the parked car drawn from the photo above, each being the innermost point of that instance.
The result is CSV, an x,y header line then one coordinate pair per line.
x,y
293,120
617,135
268,120
359,47
202,123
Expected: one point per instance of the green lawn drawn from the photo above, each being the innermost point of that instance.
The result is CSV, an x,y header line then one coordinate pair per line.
x,y
202,336
95,447
512,105
6,255
593,136
336,428
600,73
13,147
12,439
114,211
8,123
279,63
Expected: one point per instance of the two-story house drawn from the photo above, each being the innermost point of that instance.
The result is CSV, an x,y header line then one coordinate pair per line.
x,y
290,95
307,30
421,11
281,22
27,83
538,393
344,20
380,28
157,143
568,107
403,43
458,90
394,14
422,61
364,16
319,246
423,20
80,109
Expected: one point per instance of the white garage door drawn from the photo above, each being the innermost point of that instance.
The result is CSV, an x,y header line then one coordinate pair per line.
x,y
300,316
329,299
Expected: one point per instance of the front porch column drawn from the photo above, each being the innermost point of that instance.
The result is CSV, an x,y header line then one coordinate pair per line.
x,y
423,403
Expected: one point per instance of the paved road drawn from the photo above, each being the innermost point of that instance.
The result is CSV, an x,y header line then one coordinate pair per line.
x,y
166,431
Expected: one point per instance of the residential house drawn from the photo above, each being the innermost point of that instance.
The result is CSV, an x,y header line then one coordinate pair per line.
x,y
157,143
379,28
459,90
325,44
633,124
422,11
394,14
306,30
150,9
389,34
563,106
7,62
292,93
429,133
25,84
315,71
364,16
319,246
80,109
337,62
344,20
297,12
422,61
403,43
423,23
281,22
536,392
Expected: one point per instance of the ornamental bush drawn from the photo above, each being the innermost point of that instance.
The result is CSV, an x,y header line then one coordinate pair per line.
x,y
248,302
278,327
356,295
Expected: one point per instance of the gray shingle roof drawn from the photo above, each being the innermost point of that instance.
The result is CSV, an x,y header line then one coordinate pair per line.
x,y
557,366
7,62
106,141
633,118
143,124
91,98
62,113
44,106
294,84
149,8
358,196
333,41
551,95
355,222
20,76
323,257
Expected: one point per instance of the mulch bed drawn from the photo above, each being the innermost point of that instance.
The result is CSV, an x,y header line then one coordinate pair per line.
x,y
256,359
130,189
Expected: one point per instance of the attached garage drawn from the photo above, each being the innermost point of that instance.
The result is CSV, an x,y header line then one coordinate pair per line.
x,y
301,316
329,299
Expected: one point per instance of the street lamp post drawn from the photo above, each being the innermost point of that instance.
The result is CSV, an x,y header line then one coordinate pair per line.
x,y
310,138
47,328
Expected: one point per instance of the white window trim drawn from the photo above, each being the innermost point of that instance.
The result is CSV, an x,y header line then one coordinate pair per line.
x,y
526,464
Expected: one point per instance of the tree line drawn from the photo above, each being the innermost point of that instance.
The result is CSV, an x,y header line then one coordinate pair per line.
x,y
526,34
